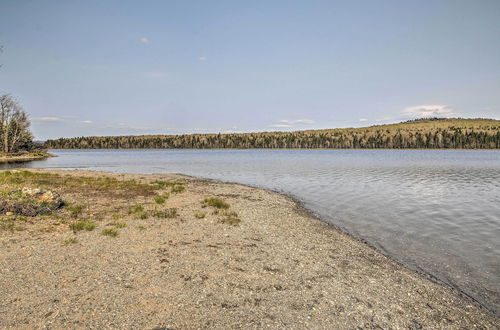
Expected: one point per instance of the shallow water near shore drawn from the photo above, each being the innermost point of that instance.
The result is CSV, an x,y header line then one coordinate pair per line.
x,y
437,211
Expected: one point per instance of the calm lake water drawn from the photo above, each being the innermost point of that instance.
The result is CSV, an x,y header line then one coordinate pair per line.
x,y
437,211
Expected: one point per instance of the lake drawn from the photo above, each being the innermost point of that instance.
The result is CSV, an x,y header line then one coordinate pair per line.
x,y
437,211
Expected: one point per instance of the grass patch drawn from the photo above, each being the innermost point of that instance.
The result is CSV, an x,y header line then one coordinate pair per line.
x,y
7,226
68,241
231,218
200,215
168,213
109,232
142,215
106,185
82,225
216,202
47,230
175,186
75,210
161,184
137,208
178,188
117,216
160,199
119,224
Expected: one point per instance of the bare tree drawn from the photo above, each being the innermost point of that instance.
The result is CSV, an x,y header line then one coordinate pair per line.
x,y
14,124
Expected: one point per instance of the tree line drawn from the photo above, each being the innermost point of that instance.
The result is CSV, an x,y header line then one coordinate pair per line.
x,y
423,133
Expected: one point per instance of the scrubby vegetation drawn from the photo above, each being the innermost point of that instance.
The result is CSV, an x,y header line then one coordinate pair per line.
x,y
70,240
221,209
230,218
27,202
33,201
421,133
160,199
95,185
168,213
215,202
109,232
200,215
75,210
34,198
82,225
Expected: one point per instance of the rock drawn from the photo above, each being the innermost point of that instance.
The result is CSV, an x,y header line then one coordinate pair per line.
x,y
30,202
43,196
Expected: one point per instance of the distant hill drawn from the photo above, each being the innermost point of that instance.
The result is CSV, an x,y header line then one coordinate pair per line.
x,y
430,133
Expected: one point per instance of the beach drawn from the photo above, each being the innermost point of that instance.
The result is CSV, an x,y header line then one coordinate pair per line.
x,y
262,261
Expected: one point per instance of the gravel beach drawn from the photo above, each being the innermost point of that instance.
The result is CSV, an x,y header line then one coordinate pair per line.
x,y
181,263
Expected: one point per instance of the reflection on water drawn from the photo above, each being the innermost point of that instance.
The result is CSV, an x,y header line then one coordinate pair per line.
x,y
437,211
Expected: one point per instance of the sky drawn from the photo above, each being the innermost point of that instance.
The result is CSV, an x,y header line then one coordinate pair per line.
x,y
83,68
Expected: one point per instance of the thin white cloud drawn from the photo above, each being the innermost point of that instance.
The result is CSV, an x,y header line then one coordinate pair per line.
x,y
48,119
363,120
292,123
429,110
87,122
144,40
202,58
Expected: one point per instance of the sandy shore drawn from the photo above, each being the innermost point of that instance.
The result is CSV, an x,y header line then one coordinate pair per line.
x,y
279,267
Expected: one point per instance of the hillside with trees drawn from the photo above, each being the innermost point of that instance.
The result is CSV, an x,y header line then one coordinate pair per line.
x,y
432,133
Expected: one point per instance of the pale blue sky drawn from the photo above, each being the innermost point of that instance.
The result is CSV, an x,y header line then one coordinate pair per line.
x,y
137,67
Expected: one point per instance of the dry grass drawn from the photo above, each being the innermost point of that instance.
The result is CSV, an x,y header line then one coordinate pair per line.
x,y
103,185
109,232
200,215
215,202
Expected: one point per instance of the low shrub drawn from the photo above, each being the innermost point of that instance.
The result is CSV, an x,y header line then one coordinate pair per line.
x,y
231,218
216,202
168,213
82,225
68,241
137,208
200,215
109,232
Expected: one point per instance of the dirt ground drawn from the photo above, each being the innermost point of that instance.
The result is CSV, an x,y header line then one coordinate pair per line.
x,y
252,260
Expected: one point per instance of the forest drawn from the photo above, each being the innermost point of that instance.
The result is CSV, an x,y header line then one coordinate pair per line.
x,y
429,133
